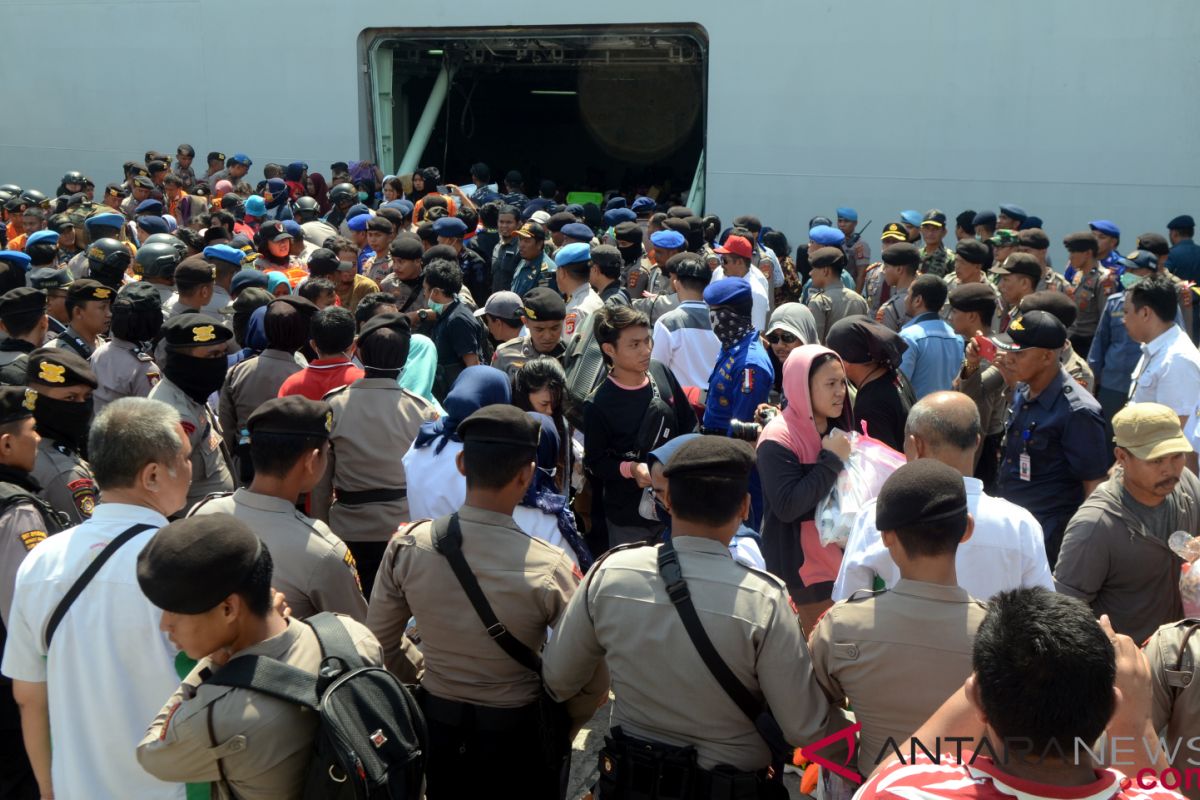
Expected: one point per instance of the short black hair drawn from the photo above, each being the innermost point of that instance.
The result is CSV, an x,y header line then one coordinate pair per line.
x,y
493,466
489,213
332,329
276,453
313,288
966,220
369,305
937,538
932,290
537,374
707,499
1159,293
443,274
505,208
469,216
20,324
611,320
255,590
1045,669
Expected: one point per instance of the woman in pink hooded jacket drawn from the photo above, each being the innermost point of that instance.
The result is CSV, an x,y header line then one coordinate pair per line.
x,y
800,453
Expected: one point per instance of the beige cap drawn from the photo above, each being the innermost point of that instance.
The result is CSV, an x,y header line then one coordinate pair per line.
x,y
1149,431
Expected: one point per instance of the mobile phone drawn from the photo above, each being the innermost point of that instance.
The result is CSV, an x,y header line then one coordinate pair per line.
x,y
443,189
987,348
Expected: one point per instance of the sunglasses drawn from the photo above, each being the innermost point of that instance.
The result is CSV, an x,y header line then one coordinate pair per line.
x,y
786,338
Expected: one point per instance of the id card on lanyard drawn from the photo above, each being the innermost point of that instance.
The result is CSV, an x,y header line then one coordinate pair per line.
x,y
1025,464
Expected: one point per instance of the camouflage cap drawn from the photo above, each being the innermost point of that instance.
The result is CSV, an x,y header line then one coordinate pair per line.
x,y
1005,238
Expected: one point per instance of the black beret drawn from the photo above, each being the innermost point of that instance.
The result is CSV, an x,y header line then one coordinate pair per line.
x,y
443,251
972,251
216,156
500,424
558,221
193,564
142,182
116,190
973,297
157,166
986,218
1181,223
392,320
294,415
406,247
1033,237
249,299
688,265
901,254
57,366
195,330
606,255
195,270
543,304
16,403
827,257
293,303
88,289
22,300
1154,242
713,457
138,296
628,232
1055,303
1019,264
1081,241
921,491
138,168
322,261
381,225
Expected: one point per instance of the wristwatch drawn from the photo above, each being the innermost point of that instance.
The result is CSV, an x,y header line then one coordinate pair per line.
x,y
423,314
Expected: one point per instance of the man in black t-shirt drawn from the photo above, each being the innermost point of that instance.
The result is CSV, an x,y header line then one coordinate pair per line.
x,y
457,333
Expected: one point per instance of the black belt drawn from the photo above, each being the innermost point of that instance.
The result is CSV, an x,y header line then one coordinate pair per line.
x,y
482,718
370,496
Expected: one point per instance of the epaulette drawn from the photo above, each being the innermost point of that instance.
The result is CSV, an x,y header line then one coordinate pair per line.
x,y
214,496
332,392
142,356
1076,400
866,594
617,549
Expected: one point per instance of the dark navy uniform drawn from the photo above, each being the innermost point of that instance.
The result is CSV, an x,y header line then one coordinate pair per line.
x,y
1062,431
741,382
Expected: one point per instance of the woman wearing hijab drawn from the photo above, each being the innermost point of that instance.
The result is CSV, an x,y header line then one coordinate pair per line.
x,y
435,486
318,189
800,453
420,369
544,513
871,353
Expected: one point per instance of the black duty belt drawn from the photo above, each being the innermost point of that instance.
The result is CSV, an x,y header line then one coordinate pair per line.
x,y
482,718
370,496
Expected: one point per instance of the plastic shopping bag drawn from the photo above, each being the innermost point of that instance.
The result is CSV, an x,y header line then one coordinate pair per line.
x,y
1187,547
871,462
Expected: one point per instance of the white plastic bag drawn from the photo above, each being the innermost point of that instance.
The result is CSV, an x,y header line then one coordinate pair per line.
x,y
871,462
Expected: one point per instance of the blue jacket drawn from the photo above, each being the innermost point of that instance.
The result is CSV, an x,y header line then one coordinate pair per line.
x,y
740,382
1113,355
934,355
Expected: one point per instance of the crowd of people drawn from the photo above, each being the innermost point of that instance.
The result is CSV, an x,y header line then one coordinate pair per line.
x,y
535,455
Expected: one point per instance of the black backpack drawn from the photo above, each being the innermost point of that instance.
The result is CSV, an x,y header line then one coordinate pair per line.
x,y
371,740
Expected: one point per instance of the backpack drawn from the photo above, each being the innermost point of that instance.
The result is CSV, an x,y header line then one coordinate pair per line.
x,y
585,369
371,739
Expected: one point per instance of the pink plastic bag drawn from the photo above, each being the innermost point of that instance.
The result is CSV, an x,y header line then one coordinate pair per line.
x,y
871,462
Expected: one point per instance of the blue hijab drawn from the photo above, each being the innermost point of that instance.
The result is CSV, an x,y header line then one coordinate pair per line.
x,y
475,387
256,337
543,494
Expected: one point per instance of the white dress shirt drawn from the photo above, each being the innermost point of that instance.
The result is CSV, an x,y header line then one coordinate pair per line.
x,y
760,295
1005,552
1169,373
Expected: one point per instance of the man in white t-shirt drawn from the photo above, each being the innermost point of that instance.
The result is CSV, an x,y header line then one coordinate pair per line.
x,y
104,675
1006,551
735,263
683,337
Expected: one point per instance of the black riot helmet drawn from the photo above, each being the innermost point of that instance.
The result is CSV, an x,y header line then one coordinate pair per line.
x,y
74,176
343,194
166,238
10,189
33,197
158,260
307,209
107,261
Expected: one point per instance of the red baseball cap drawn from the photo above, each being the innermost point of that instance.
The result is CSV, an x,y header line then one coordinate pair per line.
x,y
737,245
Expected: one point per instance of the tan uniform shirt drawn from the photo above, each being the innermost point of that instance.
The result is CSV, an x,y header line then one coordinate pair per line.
x,y
991,395
374,423
122,370
21,528
210,463
66,480
513,354
622,616
527,583
583,302
892,313
896,656
1175,695
952,282
247,386
1077,367
313,567
832,303
264,744
408,298
71,341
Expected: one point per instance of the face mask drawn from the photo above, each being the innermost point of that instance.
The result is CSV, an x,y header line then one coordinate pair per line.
x,y
362,197
631,253
436,308
1129,280
63,421
197,377
729,326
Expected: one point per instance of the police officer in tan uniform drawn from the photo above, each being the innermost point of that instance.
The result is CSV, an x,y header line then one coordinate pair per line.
x,y
194,367
666,696
64,383
1173,652
123,365
897,655
374,423
250,745
89,309
289,447
25,518
252,382
543,312
480,703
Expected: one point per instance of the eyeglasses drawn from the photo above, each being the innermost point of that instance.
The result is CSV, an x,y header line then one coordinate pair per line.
x,y
782,336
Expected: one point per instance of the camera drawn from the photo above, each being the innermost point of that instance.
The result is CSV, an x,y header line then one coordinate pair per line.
x,y
749,431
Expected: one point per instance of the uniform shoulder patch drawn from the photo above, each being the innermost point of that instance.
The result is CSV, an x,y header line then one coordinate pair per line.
x,y
140,356
32,538
865,594
205,500
336,391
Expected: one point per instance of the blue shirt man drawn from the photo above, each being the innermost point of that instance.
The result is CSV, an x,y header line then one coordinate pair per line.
x,y
1184,259
1055,447
935,352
